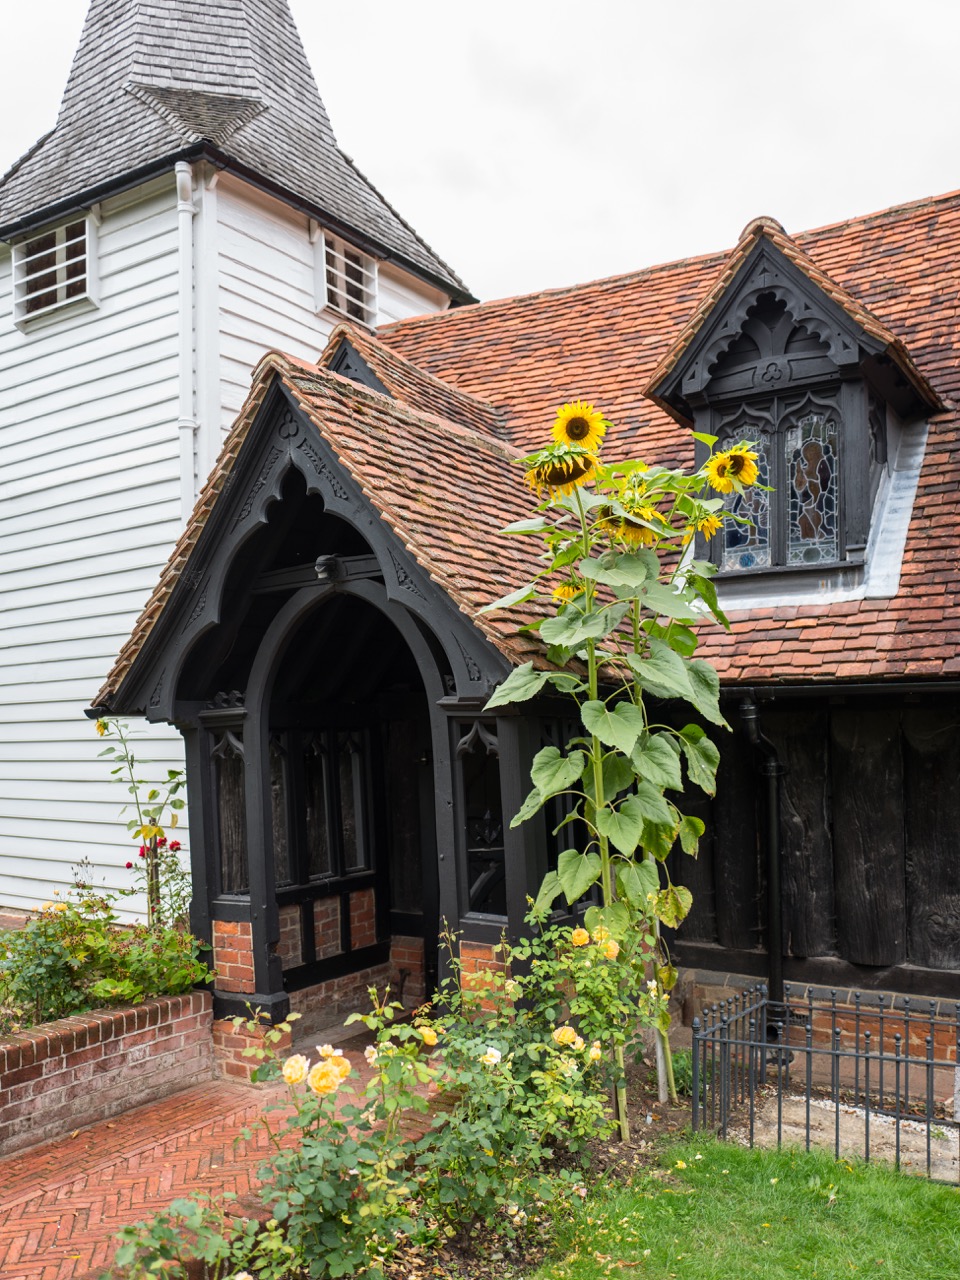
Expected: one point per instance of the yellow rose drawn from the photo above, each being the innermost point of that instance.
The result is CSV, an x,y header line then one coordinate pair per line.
x,y
429,1036
564,1035
579,1044
60,906
579,937
295,1069
611,949
595,1052
324,1078
340,1064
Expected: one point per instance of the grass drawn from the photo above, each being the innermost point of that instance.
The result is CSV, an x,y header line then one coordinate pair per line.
x,y
720,1212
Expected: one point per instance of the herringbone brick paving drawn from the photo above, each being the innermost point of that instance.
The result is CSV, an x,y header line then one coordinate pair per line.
x,y
61,1203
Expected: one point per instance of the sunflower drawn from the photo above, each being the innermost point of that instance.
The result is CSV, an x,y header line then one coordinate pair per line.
x,y
732,468
707,525
558,471
565,591
581,424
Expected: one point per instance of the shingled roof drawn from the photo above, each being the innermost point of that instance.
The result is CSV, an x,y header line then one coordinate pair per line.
x,y
153,81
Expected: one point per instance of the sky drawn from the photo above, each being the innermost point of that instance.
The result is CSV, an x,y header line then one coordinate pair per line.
x,y
542,143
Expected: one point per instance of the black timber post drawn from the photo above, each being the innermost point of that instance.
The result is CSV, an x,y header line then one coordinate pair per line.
x,y
202,871
264,912
518,738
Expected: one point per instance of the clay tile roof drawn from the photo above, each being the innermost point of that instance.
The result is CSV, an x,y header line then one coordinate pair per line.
x,y
445,490
766,228
896,272
152,78
412,386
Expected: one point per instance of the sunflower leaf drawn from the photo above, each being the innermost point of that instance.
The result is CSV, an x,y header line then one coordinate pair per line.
x,y
615,918
635,880
656,757
705,438
521,684
535,525
705,684
617,776
702,758
663,600
618,727
552,772
533,804
661,672
691,829
673,904
577,872
550,890
514,597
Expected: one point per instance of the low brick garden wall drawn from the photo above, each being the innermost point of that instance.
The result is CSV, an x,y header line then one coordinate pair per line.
x,y
65,1074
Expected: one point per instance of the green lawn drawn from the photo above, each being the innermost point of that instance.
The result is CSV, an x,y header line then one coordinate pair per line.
x,y
718,1212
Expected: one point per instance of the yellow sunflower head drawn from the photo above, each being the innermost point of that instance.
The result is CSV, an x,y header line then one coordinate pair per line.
x,y
565,591
732,468
707,525
581,424
557,471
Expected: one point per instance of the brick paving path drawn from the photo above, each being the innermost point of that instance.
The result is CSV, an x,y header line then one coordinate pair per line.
x,y
61,1203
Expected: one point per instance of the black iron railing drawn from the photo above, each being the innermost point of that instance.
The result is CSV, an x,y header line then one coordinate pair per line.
x,y
860,1071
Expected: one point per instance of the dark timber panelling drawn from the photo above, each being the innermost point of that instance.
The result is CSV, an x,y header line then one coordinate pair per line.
x,y
868,836
806,861
697,873
737,880
931,748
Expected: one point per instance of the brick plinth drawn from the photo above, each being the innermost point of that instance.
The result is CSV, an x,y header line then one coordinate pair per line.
x,y
229,1043
233,955
69,1073
363,924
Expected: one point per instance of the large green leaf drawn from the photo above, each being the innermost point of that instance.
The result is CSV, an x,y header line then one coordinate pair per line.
x,y
533,804
659,838
550,890
617,776
521,684
661,672
627,569
665,602
650,804
705,684
537,524
637,879
656,758
552,772
623,827
691,829
709,593
577,872
673,904
619,726
615,918
514,597
571,628
702,758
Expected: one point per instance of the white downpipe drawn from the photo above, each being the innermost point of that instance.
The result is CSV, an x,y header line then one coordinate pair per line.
x,y
186,419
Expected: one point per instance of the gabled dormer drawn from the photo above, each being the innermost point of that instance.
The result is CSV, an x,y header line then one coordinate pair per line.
x,y
779,354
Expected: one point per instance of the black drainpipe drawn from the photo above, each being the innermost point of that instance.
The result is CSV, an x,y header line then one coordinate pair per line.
x,y
771,769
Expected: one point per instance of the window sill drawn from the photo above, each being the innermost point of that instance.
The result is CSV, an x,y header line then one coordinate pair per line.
x,y
56,315
794,584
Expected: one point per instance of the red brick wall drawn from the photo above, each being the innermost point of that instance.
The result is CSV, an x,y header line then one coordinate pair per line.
x,y
69,1073
233,955
289,948
229,1043
363,925
406,970
326,927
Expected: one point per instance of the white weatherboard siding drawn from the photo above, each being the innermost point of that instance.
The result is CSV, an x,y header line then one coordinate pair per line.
x,y
89,510
267,292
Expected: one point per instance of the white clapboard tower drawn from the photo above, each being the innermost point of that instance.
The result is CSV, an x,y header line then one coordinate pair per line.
x,y
190,209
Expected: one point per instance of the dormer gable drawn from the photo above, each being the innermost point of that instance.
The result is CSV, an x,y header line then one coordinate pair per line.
x,y
772,319
779,355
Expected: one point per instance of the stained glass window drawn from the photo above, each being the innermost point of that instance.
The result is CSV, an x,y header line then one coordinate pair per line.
x,y
350,764
477,751
747,545
812,461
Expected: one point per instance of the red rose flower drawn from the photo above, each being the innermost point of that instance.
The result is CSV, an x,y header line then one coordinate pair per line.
x,y
129,865
174,846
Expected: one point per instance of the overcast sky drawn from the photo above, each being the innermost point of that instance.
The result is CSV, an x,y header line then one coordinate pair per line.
x,y
539,143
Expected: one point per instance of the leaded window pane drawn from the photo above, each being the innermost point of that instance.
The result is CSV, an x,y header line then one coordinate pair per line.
x,y
484,820
812,468
231,814
318,809
350,764
747,545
